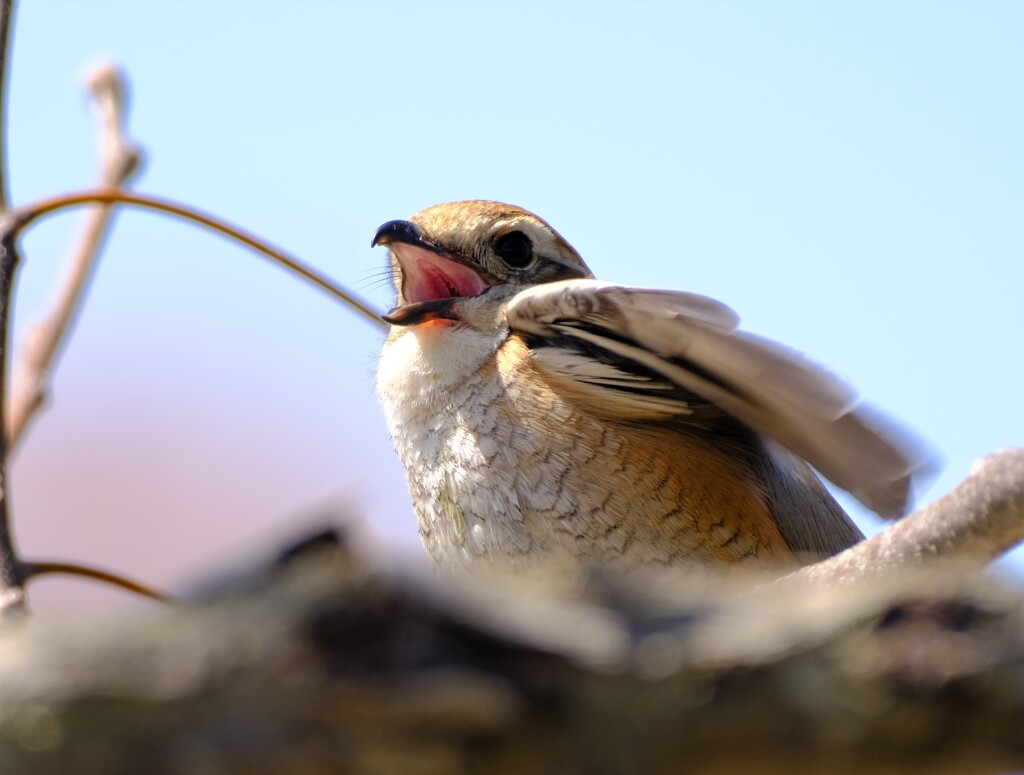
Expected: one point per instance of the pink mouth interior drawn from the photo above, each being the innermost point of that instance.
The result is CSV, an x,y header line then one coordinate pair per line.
x,y
428,276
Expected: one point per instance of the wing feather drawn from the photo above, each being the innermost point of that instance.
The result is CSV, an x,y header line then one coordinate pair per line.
x,y
691,342
608,390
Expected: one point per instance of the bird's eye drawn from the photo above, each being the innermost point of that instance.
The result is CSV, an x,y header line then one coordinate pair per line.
x,y
515,249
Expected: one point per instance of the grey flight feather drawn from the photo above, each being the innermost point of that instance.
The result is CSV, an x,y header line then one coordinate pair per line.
x,y
692,341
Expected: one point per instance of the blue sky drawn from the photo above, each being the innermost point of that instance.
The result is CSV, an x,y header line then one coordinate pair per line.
x,y
848,176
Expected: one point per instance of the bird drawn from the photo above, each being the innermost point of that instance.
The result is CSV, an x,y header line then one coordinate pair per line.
x,y
542,414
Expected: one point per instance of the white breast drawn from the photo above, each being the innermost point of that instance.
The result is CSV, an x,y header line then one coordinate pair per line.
x,y
500,466
441,412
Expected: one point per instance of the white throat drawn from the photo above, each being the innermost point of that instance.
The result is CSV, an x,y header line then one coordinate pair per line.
x,y
420,362
435,401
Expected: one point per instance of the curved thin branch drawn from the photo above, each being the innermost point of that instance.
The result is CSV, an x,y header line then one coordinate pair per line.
x,y
13,572
24,216
33,570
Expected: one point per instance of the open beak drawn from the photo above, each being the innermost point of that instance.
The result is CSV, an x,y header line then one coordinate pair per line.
x,y
431,280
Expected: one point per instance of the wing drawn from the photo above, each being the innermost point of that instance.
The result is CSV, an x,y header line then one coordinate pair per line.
x,y
645,354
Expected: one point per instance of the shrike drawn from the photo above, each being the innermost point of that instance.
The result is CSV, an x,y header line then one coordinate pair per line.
x,y
540,412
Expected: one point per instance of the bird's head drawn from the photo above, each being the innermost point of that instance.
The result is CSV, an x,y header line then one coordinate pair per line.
x,y
461,260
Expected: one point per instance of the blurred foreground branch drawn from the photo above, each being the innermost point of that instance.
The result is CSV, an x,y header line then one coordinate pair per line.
x,y
336,665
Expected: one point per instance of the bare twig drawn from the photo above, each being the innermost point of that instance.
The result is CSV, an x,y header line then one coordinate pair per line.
x,y
6,24
16,572
12,590
36,569
30,213
975,523
119,160
12,578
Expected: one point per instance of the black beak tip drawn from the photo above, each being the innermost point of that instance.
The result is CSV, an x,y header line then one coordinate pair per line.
x,y
396,231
